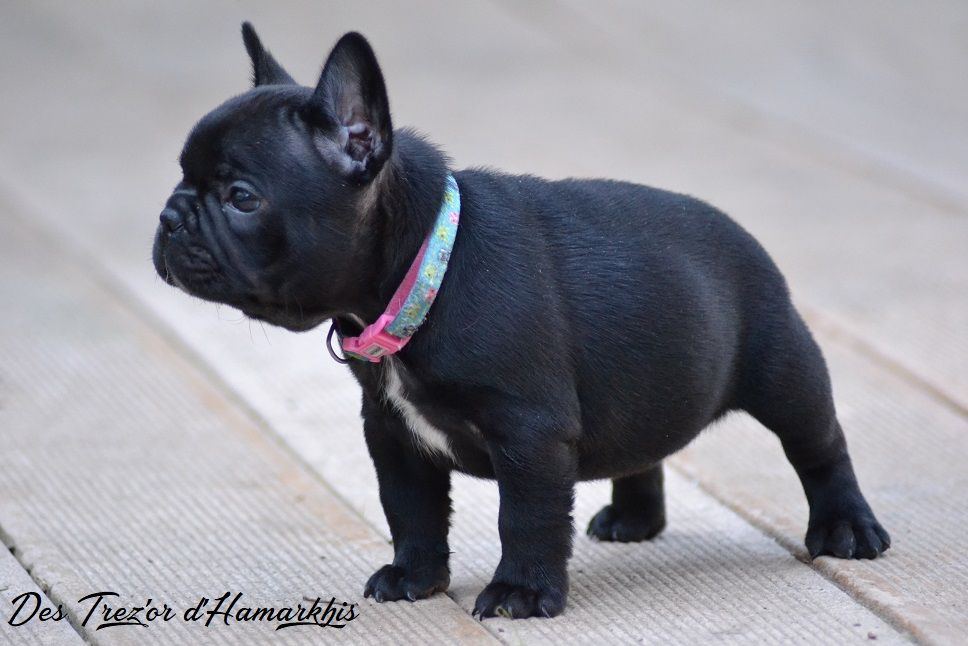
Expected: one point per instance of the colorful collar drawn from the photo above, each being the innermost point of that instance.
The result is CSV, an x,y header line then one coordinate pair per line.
x,y
410,303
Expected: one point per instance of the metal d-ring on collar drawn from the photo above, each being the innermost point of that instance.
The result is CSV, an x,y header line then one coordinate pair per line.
x,y
334,329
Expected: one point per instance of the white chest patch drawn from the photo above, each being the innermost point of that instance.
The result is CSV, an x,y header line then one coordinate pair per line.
x,y
428,437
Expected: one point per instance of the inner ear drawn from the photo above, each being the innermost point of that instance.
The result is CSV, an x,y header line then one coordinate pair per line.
x,y
350,104
265,69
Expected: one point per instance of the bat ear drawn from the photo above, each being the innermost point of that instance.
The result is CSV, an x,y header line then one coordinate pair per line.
x,y
265,69
350,105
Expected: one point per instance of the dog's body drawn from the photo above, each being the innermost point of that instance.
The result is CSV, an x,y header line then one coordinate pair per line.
x,y
611,310
584,329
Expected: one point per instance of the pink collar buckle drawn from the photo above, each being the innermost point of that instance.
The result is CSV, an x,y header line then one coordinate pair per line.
x,y
374,342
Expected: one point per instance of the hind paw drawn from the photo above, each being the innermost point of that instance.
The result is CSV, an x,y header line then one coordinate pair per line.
x,y
847,536
610,524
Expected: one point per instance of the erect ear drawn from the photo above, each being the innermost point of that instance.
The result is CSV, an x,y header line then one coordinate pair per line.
x,y
265,69
351,108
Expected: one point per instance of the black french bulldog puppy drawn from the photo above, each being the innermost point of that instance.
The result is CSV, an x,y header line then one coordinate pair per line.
x,y
584,328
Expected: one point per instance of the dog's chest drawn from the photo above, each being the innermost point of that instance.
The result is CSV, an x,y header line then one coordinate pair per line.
x,y
426,435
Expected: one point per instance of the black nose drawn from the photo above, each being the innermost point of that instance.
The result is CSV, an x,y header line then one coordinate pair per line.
x,y
178,206
171,220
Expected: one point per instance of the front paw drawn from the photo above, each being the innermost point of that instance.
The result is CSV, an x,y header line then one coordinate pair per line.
x,y
392,583
518,601
610,524
847,535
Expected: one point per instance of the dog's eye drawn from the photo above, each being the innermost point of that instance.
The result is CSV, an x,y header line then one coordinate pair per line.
x,y
243,200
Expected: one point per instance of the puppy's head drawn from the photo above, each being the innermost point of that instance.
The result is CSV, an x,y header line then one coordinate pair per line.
x,y
266,217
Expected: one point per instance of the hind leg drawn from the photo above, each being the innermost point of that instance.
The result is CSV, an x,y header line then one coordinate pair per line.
x,y
637,512
791,396
841,522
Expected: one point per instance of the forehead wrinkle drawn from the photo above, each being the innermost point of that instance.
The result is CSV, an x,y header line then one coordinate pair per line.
x,y
246,116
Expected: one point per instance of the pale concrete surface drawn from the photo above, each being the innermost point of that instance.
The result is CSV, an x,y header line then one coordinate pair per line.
x,y
838,147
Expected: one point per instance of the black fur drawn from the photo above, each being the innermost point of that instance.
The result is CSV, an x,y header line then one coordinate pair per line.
x,y
585,328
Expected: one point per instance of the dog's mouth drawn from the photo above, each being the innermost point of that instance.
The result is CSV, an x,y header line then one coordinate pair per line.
x,y
285,316
191,274
158,256
182,262
193,269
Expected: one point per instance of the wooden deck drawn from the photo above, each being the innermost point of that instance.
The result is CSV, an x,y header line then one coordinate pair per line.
x,y
164,448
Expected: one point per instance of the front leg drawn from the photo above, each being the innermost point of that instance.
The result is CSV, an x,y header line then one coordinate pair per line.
x,y
536,467
414,492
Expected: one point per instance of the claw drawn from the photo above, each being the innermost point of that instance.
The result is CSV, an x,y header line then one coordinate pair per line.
x,y
511,601
847,538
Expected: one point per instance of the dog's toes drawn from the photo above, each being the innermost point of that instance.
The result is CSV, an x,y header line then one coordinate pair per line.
x,y
393,583
841,542
518,601
861,537
610,524
816,537
868,544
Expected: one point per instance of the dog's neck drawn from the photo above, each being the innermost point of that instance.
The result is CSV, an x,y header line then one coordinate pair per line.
x,y
397,211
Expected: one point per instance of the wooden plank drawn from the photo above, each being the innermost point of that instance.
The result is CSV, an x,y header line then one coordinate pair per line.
x,y
870,83
885,263
124,470
909,455
879,261
22,603
696,583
